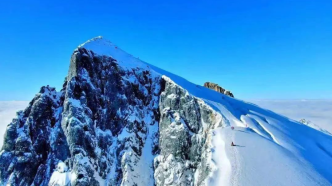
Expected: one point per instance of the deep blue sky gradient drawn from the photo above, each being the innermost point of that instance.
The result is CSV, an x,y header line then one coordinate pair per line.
x,y
257,49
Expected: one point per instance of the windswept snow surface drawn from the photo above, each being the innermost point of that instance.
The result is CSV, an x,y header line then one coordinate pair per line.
x,y
270,149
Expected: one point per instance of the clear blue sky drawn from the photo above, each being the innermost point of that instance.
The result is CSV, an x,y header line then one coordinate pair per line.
x,y
257,49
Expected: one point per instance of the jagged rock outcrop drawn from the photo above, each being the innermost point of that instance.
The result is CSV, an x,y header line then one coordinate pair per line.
x,y
33,141
113,123
185,138
218,88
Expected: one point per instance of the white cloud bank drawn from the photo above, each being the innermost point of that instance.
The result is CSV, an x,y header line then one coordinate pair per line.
x,y
8,111
319,112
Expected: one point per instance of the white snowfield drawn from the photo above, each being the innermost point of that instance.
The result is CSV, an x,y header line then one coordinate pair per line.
x,y
270,149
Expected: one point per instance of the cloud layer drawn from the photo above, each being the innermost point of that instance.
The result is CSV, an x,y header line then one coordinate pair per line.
x,y
319,112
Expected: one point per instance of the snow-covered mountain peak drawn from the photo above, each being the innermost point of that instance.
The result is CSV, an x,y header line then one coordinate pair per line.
x,y
103,47
121,121
99,45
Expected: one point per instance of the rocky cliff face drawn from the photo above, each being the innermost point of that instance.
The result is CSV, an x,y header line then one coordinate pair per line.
x,y
218,88
113,123
33,141
185,138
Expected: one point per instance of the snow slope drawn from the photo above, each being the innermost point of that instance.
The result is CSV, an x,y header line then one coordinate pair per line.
x,y
271,149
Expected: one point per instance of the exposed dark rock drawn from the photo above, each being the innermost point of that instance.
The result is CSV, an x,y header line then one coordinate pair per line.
x,y
184,139
218,88
34,141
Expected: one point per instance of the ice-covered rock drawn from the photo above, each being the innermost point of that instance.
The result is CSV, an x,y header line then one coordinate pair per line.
x,y
185,129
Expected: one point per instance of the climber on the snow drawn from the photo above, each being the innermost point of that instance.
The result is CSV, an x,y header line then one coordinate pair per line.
x,y
232,144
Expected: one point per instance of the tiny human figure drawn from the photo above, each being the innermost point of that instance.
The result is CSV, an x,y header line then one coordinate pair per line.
x,y
232,144
232,128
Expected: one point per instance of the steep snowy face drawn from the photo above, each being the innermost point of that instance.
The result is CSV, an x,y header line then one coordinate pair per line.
x,y
110,117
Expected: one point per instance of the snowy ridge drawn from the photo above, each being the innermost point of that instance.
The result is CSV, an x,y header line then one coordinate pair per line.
x,y
292,145
101,46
